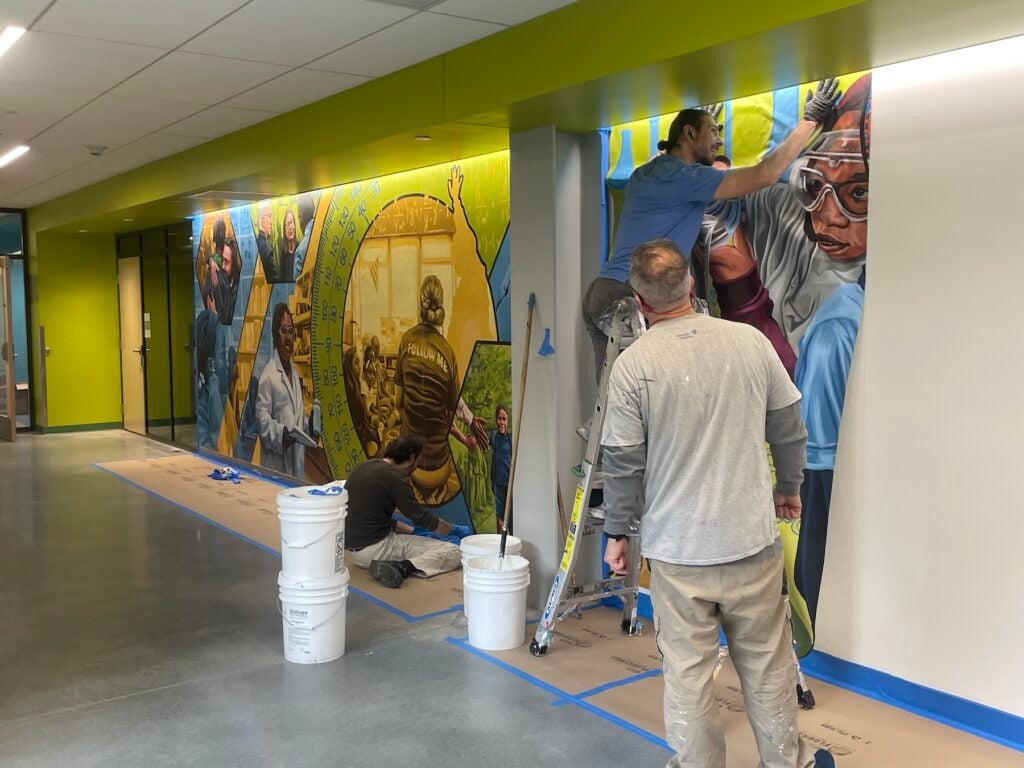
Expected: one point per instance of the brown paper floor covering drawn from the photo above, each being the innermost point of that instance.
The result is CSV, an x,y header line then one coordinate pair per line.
x,y
250,510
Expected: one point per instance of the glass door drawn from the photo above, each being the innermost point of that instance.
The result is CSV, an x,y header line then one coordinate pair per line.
x,y
8,426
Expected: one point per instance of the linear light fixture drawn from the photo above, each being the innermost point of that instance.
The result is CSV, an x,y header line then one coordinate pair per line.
x,y
13,155
9,37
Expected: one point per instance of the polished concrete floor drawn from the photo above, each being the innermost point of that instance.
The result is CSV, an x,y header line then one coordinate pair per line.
x,y
134,634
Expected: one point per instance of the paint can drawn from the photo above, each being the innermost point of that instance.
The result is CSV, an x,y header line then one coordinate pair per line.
x,y
485,544
313,617
313,531
496,601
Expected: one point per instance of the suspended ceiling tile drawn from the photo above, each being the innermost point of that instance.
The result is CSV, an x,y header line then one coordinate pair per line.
x,y
294,89
266,30
410,41
499,11
20,13
198,78
133,114
36,167
36,102
161,24
218,121
14,130
60,61
60,184
155,146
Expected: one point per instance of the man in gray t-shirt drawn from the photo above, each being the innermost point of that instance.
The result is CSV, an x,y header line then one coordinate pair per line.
x,y
690,406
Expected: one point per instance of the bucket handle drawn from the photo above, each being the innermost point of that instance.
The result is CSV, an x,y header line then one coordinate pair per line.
x,y
280,610
309,544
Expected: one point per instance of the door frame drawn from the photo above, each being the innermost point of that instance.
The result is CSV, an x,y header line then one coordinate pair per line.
x,y
145,404
29,328
8,422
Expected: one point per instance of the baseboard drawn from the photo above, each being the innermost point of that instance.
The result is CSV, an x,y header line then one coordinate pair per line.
x,y
78,427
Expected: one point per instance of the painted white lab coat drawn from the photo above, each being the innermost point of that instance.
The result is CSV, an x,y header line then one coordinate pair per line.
x,y
279,405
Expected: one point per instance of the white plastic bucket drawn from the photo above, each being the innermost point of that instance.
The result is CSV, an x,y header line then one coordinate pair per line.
x,y
313,618
496,601
312,531
485,544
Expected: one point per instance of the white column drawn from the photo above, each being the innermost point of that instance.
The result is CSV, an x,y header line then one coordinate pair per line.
x,y
555,236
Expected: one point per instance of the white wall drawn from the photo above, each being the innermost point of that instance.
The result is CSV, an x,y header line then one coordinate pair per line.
x,y
925,571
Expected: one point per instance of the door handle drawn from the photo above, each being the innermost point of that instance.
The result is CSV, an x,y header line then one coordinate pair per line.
x,y
137,349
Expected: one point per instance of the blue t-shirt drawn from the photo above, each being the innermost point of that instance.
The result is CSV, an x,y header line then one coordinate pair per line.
x,y
826,353
501,459
665,198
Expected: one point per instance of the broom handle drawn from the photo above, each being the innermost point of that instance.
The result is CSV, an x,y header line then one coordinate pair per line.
x,y
519,422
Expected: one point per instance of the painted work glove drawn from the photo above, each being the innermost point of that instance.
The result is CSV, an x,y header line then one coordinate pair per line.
x,y
461,531
818,106
451,538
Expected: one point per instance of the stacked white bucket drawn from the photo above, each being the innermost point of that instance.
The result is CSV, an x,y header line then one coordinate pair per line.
x,y
313,580
494,591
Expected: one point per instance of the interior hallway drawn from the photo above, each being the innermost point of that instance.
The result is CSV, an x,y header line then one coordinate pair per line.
x,y
137,635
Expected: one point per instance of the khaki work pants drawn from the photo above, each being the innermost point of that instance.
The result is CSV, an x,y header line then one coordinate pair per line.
x,y
744,598
427,555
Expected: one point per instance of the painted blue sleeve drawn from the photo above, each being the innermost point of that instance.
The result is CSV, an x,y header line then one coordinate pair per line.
x,y
826,353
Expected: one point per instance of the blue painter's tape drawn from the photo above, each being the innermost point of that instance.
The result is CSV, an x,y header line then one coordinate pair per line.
x,y
191,512
568,698
619,683
978,719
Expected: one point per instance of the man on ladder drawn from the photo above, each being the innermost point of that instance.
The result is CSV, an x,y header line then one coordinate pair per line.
x,y
689,407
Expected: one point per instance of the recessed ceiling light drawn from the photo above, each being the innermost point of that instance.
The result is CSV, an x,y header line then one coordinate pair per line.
x,y
83,230
9,37
127,219
422,137
13,155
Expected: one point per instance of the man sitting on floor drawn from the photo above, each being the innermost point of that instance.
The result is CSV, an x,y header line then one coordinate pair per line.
x,y
376,489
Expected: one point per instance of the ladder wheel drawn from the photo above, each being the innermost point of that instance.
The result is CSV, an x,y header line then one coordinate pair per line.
x,y
804,698
537,649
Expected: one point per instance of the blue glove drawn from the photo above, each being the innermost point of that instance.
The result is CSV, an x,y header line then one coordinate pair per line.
x,y
461,531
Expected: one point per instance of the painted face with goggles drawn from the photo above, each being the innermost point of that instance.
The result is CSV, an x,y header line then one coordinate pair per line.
x,y
830,182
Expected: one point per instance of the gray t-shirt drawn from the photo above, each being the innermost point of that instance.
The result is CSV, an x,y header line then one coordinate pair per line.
x,y
696,391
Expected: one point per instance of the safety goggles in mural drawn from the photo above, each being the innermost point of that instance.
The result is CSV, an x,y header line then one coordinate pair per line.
x,y
812,177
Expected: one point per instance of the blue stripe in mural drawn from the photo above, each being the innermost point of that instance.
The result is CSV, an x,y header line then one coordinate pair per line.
x,y
624,167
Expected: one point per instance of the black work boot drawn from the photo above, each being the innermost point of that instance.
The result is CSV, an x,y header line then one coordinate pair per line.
x,y
390,573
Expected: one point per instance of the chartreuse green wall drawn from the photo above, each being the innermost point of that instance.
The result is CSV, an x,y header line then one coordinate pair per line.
x,y
75,280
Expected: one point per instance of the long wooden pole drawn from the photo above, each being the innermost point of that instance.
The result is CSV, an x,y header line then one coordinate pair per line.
x,y
519,422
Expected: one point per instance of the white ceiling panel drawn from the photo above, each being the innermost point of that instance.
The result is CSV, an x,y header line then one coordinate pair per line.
x,y
499,11
132,114
267,30
67,137
161,24
54,186
407,42
35,167
20,13
294,89
40,58
154,146
197,78
14,130
35,102
218,121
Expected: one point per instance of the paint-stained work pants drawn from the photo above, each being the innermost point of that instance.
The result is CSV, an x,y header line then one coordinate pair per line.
x,y
427,555
745,599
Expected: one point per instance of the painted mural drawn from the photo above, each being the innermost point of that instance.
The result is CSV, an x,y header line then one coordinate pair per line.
x,y
790,260
330,322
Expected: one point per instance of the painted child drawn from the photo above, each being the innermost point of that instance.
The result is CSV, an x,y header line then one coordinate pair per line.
x,y
501,462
